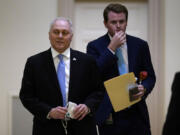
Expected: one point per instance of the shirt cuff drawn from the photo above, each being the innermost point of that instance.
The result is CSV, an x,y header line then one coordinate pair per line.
x,y
111,51
89,111
48,116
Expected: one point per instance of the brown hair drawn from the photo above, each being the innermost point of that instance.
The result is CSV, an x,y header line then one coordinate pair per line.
x,y
115,7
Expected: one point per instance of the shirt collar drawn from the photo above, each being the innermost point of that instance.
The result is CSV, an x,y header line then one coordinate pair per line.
x,y
110,37
55,54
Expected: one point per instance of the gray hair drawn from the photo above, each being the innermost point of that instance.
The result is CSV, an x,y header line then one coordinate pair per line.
x,y
61,18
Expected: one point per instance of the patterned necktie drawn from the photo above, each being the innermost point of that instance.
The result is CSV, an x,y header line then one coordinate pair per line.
x,y
121,62
61,78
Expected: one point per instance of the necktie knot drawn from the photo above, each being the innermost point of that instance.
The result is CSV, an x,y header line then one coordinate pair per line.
x,y
61,58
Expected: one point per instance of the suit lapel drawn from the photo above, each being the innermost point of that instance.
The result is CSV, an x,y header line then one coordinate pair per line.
x,y
74,60
130,53
106,40
51,71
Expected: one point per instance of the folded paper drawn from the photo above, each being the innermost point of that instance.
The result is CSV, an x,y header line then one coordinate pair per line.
x,y
118,91
70,113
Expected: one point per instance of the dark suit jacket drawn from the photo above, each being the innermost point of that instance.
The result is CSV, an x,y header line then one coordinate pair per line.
x,y
139,60
172,123
40,92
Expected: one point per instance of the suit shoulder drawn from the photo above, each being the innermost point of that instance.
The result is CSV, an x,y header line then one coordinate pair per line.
x,y
177,75
136,39
81,55
100,39
38,56
176,80
78,53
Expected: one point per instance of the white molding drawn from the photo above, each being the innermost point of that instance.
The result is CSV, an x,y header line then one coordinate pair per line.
x,y
11,95
155,39
66,8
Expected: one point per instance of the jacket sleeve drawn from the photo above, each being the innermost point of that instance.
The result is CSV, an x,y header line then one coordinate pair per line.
x,y
104,58
146,65
28,93
94,99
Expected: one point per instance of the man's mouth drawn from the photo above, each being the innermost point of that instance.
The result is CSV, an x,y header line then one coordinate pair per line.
x,y
59,41
118,30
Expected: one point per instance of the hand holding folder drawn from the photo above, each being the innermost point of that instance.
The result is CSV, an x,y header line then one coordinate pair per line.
x,y
118,91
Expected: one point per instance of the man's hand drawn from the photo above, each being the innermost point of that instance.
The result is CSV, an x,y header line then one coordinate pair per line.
x,y
141,92
80,111
118,39
58,112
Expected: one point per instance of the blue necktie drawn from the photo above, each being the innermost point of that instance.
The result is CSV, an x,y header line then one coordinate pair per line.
x,y
61,78
121,63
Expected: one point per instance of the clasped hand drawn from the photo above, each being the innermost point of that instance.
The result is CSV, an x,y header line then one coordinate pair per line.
x,y
80,111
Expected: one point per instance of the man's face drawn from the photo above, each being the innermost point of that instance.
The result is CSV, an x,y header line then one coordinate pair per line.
x,y
60,35
116,22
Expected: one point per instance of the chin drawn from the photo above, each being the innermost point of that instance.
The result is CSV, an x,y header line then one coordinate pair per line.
x,y
60,46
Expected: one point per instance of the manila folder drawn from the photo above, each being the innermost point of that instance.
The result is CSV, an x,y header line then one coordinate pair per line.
x,y
117,89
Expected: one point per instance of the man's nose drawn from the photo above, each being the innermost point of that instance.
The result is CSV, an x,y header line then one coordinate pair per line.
x,y
118,25
60,35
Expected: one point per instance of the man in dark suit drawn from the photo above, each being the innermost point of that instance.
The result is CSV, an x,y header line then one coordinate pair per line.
x,y
42,94
172,123
133,120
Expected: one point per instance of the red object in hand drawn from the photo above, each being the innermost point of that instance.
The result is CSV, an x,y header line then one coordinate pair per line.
x,y
143,75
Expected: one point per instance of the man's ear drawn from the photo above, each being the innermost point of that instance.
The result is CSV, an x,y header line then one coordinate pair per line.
x,y
105,23
72,35
49,35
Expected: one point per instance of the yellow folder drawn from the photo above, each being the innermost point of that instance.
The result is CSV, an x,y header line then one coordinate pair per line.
x,y
117,89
